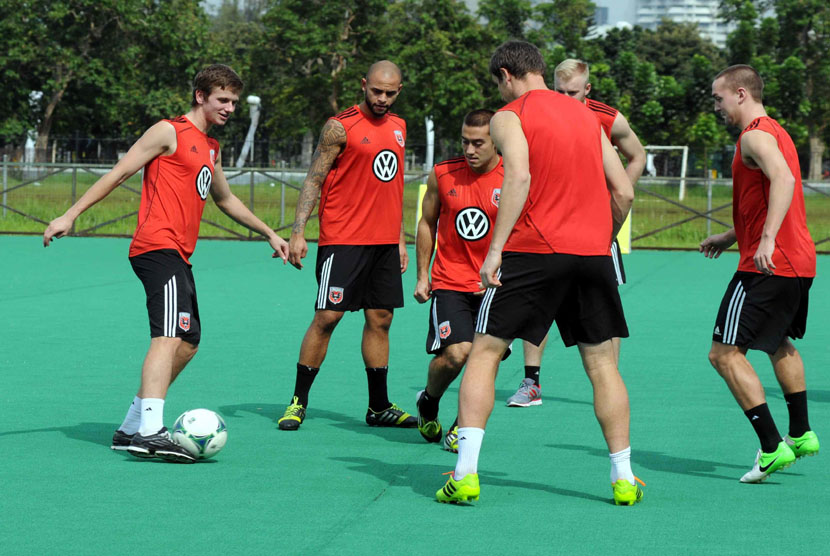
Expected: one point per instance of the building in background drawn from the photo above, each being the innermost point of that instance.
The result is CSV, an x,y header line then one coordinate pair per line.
x,y
704,13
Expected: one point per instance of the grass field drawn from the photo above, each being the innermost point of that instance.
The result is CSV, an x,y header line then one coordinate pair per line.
x,y
54,195
74,336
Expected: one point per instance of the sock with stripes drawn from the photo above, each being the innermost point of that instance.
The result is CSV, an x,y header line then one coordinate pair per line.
x,y
133,419
378,396
761,420
303,382
532,371
469,446
152,416
797,407
621,466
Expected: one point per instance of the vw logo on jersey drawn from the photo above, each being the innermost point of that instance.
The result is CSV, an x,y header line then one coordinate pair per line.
x,y
203,181
385,165
472,223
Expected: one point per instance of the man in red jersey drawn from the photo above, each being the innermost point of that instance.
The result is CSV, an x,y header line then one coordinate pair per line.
x,y
357,172
565,195
571,77
458,210
181,166
766,301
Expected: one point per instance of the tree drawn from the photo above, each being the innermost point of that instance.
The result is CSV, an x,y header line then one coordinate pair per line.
x,y
507,19
564,22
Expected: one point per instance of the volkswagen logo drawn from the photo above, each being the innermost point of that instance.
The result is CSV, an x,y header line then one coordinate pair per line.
x,y
385,165
203,181
472,223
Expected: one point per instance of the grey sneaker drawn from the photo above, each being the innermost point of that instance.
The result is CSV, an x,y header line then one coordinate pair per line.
x,y
528,394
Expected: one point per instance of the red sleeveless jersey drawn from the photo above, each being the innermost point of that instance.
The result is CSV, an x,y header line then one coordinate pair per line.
x,y
795,252
469,203
604,113
361,202
173,193
568,208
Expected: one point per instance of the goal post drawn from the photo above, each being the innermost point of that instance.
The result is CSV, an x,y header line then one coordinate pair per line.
x,y
668,161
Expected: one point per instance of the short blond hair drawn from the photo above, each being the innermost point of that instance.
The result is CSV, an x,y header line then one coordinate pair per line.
x,y
570,68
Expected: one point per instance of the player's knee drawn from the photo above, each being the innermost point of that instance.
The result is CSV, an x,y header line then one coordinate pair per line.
x,y
379,320
326,321
456,355
187,350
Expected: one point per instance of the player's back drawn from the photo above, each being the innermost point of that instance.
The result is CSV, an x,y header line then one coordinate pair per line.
x,y
568,208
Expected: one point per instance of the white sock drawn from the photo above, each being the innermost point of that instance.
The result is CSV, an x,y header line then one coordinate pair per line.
x,y
621,466
133,419
152,416
469,445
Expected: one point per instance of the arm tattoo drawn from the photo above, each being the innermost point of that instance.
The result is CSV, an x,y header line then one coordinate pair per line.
x,y
331,144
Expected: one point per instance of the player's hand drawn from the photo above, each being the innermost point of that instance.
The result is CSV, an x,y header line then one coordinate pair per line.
x,y
57,228
763,257
714,245
297,250
280,247
423,290
490,270
404,256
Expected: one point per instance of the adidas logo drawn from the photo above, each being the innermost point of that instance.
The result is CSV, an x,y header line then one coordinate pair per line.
x,y
754,417
365,141
193,149
717,330
148,409
452,193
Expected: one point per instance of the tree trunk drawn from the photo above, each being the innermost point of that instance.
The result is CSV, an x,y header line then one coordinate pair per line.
x,y
816,154
308,146
45,126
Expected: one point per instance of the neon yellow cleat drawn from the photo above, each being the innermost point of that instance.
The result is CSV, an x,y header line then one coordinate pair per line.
x,y
626,494
465,490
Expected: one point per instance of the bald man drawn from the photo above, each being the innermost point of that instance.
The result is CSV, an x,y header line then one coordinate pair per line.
x,y
357,172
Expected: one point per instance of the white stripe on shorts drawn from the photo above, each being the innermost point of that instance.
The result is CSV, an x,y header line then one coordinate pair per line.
x,y
733,315
615,256
325,273
436,343
484,309
170,308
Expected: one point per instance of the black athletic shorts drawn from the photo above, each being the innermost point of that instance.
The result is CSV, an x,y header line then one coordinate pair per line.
x,y
616,256
354,277
759,311
452,320
171,295
578,292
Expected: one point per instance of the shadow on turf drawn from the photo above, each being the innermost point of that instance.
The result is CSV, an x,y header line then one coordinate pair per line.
x,y
272,412
820,396
96,433
426,479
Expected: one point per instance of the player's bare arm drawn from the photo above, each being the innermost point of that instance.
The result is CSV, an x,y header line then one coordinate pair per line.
x,y
231,205
624,138
506,131
402,251
425,238
331,144
618,183
759,149
159,140
714,245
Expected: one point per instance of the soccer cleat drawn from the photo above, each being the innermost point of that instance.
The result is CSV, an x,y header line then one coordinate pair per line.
x,y
430,430
121,440
804,445
392,416
293,416
451,439
767,464
529,393
159,445
465,490
626,494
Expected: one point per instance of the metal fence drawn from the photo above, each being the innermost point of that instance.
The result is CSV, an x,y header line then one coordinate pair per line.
x,y
662,217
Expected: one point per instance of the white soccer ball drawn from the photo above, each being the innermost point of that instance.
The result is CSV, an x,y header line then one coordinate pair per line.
x,y
201,432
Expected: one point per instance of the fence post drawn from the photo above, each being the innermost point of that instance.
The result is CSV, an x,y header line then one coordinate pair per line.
x,y
250,233
74,193
5,181
708,206
282,205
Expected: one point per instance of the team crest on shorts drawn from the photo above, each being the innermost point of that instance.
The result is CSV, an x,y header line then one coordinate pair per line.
x,y
496,196
399,137
335,295
444,330
184,321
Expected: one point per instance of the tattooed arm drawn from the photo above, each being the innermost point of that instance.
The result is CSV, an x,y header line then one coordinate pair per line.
x,y
331,144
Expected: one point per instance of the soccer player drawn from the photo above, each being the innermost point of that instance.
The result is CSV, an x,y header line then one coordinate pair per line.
x,y
571,77
357,171
549,259
458,210
766,300
182,165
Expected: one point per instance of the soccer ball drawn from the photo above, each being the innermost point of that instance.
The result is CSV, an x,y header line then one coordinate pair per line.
x,y
201,432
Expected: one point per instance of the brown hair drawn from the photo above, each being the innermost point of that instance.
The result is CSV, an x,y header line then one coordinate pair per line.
x,y
216,75
741,75
519,58
478,118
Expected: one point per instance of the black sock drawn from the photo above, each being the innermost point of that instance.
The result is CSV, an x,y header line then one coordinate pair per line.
x,y
532,372
302,385
761,420
428,406
797,406
378,397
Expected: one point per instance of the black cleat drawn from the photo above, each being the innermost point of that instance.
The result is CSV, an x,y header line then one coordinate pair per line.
x,y
392,416
159,445
121,440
